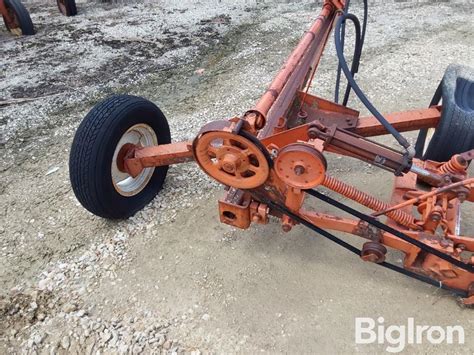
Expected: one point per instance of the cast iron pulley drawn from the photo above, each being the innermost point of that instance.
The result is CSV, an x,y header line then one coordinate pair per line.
x,y
300,166
231,159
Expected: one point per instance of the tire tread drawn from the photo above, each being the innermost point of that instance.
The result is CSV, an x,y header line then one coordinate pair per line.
x,y
82,167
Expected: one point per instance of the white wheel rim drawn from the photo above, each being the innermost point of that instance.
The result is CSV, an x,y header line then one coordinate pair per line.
x,y
429,136
140,135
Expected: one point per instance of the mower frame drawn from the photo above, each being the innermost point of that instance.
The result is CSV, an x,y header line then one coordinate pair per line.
x,y
290,122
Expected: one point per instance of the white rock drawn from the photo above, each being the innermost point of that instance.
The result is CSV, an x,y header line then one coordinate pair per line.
x,y
65,342
105,336
44,284
52,170
38,339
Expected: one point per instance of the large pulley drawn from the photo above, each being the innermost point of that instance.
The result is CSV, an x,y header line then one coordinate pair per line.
x,y
231,159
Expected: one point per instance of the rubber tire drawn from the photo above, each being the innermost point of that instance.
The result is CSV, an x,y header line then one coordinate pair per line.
x,y
92,153
22,15
71,9
455,131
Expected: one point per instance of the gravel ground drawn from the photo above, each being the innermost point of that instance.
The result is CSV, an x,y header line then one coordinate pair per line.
x,y
172,278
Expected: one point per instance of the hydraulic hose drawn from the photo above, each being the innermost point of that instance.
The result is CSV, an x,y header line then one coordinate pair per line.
x,y
353,84
357,53
339,69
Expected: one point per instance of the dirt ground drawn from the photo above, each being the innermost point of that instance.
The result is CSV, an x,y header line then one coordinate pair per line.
x,y
172,278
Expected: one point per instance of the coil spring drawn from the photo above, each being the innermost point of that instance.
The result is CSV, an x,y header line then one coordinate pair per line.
x,y
455,165
368,201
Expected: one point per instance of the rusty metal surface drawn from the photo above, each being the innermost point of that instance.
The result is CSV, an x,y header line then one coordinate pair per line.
x,y
402,121
11,21
300,166
324,111
231,159
234,209
281,92
135,159
296,128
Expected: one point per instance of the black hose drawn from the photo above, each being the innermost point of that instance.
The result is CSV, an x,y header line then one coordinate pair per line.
x,y
339,69
356,57
357,53
354,86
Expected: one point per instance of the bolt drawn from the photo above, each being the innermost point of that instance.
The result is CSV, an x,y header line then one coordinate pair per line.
x,y
313,133
299,170
461,246
462,196
444,243
302,115
228,168
470,289
286,227
462,161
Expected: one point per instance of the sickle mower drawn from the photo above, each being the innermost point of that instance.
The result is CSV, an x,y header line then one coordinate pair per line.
x,y
273,157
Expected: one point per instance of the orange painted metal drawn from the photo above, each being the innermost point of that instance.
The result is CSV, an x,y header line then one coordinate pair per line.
x,y
259,212
309,108
234,209
8,16
295,128
137,159
366,126
300,166
469,183
366,200
292,77
231,159
456,165
401,121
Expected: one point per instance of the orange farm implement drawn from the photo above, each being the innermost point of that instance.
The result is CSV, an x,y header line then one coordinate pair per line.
x,y
272,157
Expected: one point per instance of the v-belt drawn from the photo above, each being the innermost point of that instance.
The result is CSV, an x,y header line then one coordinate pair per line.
x,y
371,220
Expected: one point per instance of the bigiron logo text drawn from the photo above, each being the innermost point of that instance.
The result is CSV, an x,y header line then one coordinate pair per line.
x,y
369,331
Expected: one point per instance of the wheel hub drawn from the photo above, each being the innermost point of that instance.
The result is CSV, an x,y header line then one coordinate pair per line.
x,y
137,136
232,160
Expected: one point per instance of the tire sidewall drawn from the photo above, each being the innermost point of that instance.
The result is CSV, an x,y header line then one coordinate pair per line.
x,y
22,15
70,7
140,111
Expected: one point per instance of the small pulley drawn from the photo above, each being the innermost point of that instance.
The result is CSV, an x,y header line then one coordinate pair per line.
x,y
231,159
300,166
